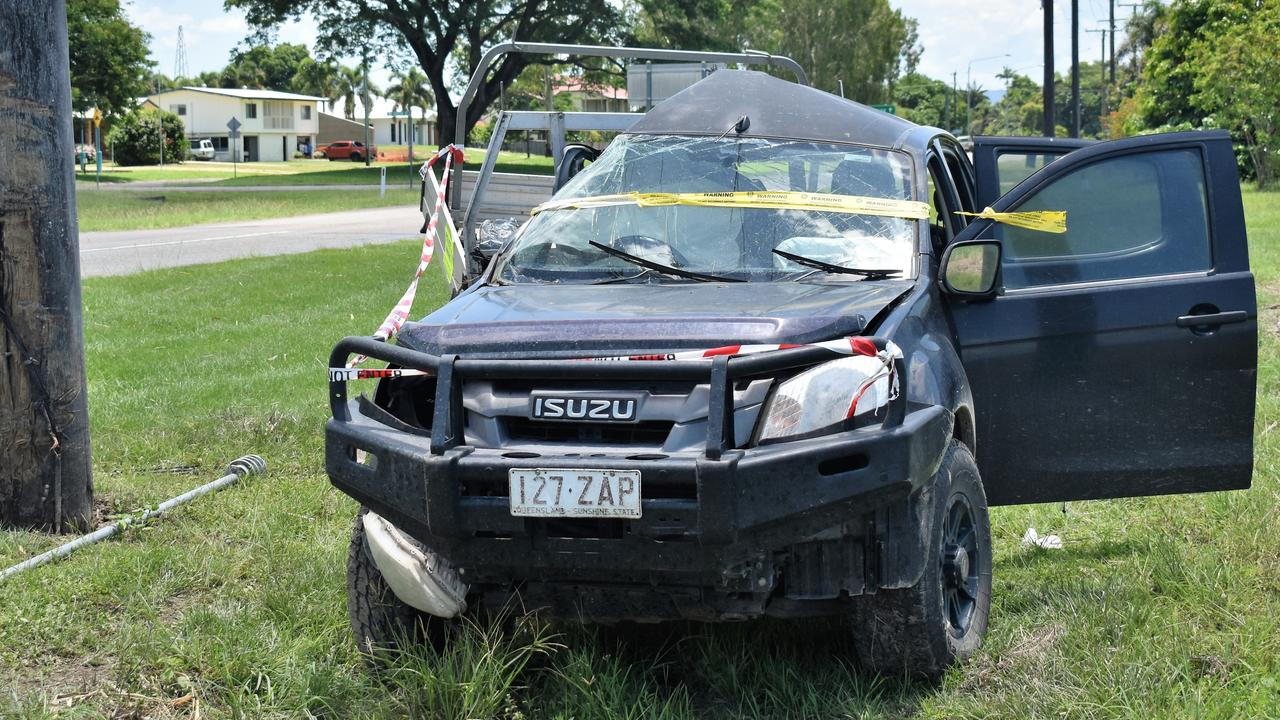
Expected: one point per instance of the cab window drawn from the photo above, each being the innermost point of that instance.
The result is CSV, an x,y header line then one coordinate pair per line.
x,y
1014,167
1130,216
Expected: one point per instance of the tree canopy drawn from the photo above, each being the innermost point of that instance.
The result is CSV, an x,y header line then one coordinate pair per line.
x,y
109,62
442,36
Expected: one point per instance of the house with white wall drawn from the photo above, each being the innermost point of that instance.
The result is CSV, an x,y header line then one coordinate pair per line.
x,y
391,126
273,125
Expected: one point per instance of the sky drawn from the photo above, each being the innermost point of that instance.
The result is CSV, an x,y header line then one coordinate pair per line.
x,y
957,36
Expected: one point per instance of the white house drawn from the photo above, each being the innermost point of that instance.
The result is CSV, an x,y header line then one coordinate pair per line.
x,y
390,124
273,125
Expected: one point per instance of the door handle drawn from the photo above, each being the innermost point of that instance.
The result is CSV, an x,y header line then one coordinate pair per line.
x,y
1212,319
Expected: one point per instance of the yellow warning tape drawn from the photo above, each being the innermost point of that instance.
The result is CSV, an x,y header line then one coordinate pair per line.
x,y
1050,221
780,200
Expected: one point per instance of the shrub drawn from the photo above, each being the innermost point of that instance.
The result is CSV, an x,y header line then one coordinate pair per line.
x,y
136,142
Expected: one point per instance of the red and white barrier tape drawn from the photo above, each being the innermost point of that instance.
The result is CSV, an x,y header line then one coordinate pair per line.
x,y
350,373
396,318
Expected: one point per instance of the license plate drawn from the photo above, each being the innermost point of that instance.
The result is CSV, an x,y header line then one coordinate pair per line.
x,y
549,492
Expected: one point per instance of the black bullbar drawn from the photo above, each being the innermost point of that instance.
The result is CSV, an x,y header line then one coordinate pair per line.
x,y
723,505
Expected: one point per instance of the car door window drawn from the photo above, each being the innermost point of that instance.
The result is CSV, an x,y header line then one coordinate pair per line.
x,y
1014,167
1129,216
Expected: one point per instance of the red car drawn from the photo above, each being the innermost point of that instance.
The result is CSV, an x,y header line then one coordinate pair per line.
x,y
349,150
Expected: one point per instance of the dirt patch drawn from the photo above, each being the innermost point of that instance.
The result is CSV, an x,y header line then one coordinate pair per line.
x,y
59,677
990,671
60,683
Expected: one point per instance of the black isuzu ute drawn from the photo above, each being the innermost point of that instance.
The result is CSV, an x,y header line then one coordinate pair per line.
x,y
774,353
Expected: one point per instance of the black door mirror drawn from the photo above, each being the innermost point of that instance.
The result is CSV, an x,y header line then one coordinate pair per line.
x,y
574,158
971,269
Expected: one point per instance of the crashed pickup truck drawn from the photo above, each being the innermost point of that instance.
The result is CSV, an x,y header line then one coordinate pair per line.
x,y
775,353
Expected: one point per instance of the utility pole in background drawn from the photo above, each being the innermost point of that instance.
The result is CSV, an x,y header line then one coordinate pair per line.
x,y
1111,25
968,91
1133,54
366,99
1075,68
45,469
1103,65
950,120
1050,123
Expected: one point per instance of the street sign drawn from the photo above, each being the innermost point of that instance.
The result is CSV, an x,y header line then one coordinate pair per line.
x,y
233,127
891,109
97,117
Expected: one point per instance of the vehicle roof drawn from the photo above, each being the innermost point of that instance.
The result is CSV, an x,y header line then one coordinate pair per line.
x,y
776,108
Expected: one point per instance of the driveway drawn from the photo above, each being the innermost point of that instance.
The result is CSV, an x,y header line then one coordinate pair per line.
x,y
130,251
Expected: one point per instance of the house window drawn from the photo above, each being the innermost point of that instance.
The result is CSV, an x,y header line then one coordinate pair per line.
x,y
306,112
251,110
277,115
220,143
178,109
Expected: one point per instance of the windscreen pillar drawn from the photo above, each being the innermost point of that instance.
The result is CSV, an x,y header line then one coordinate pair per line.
x,y
45,470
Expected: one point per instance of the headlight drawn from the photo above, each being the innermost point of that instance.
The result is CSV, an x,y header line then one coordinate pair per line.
x,y
824,397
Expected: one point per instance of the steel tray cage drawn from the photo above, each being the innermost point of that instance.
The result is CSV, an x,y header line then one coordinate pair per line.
x,y
558,123
719,372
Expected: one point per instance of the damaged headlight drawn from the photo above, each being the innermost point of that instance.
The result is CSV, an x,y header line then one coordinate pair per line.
x,y
823,399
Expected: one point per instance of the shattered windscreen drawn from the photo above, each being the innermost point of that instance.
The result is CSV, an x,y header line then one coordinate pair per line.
x,y
744,209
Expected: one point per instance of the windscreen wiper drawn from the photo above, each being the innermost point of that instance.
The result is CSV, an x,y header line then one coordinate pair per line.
x,y
659,267
833,268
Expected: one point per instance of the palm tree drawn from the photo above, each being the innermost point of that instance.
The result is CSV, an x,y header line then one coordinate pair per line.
x,y
319,78
350,82
410,90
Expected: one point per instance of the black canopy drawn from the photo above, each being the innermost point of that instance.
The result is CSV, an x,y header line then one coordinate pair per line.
x,y
777,109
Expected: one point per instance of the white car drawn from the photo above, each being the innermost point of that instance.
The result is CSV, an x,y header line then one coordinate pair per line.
x,y
202,149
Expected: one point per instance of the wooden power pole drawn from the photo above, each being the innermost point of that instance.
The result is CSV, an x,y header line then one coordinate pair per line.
x,y
1050,122
45,470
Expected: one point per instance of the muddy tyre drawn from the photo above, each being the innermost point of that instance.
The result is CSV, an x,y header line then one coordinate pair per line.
x,y
380,621
922,630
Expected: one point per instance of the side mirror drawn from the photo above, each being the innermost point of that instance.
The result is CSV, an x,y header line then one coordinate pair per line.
x,y
572,161
971,269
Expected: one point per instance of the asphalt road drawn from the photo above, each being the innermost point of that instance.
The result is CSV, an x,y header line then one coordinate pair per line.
x,y
130,251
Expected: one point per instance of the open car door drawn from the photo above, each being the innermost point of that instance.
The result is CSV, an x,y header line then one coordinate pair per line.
x,y
999,163
1120,356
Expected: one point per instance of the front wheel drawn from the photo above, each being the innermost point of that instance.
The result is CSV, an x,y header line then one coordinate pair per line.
x,y
922,630
356,157
379,620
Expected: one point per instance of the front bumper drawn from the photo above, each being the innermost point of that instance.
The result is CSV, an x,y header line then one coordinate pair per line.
x,y
711,519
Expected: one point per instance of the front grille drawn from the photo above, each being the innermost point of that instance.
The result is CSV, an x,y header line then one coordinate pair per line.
x,y
648,432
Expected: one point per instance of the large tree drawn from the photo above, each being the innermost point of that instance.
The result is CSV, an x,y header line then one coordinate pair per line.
x,y
109,63
1237,79
443,36
271,67
860,45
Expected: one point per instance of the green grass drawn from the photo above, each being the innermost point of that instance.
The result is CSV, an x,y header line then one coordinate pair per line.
x,y
200,170
155,208
1159,607
306,172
